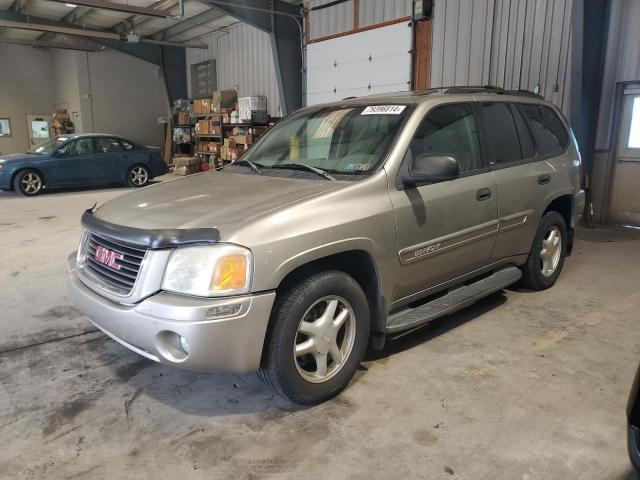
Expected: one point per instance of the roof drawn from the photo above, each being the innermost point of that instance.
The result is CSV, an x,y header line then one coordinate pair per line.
x,y
199,20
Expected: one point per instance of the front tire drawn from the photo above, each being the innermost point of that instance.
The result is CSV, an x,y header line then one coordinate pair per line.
x,y
547,255
138,176
319,335
28,183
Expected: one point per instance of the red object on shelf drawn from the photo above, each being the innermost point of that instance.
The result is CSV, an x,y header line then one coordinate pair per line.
x,y
205,167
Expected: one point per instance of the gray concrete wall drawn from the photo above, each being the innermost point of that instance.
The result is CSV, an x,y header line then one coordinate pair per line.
x,y
26,87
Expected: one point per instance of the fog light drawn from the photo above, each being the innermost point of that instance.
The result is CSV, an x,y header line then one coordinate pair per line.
x,y
223,311
184,345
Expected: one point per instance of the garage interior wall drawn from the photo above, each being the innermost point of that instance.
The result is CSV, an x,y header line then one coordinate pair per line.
x,y
244,62
622,64
25,88
339,18
513,44
110,92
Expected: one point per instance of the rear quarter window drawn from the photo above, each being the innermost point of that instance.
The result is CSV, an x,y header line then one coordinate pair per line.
x,y
550,135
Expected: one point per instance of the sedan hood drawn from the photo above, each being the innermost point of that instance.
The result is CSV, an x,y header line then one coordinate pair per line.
x,y
215,199
17,156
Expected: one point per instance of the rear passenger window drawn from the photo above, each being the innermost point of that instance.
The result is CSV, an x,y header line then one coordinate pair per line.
x,y
526,142
450,130
548,131
503,143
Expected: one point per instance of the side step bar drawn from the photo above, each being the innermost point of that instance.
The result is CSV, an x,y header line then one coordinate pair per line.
x,y
456,299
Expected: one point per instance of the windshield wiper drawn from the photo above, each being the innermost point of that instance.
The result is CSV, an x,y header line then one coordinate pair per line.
x,y
304,166
252,165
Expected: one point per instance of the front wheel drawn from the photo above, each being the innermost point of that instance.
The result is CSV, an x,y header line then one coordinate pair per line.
x,y
28,183
548,252
318,338
138,176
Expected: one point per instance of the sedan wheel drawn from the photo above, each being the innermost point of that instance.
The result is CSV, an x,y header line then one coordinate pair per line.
x,y
28,183
138,176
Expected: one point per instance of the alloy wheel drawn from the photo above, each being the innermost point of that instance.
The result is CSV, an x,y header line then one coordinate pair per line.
x,y
31,183
324,339
551,251
138,176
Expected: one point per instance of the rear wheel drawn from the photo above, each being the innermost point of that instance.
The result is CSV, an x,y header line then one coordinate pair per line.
x,y
138,176
28,183
548,252
318,338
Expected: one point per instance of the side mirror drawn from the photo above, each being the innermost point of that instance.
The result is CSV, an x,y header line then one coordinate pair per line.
x,y
427,168
61,152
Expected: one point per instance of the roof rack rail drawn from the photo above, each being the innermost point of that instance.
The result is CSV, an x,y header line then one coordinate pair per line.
x,y
523,93
472,89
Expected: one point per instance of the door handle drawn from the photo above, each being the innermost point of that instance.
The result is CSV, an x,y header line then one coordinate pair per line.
x,y
483,194
544,179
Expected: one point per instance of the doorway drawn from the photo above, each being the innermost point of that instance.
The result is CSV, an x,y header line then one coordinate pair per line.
x,y
624,205
39,127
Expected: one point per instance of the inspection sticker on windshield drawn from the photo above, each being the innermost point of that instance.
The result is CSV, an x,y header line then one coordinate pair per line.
x,y
383,110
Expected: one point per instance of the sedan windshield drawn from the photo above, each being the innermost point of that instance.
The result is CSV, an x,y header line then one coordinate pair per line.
x,y
349,140
48,147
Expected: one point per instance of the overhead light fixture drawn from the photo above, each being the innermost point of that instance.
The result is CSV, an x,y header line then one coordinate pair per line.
x,y
70,5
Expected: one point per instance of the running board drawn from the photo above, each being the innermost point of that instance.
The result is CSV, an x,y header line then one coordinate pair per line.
x,y
453,301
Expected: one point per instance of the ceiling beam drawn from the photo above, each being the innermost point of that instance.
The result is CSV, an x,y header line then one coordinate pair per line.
x,y
72,17
189,23
64,46
133,21
117,7
81,32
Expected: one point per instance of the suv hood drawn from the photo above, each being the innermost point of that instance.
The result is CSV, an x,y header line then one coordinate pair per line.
x,y
215,199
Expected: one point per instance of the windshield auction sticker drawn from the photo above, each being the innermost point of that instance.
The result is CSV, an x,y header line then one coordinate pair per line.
x,y
383,110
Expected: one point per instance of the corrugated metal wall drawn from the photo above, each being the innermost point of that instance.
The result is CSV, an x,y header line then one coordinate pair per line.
x,y
509,43
339,18
244,62
622,62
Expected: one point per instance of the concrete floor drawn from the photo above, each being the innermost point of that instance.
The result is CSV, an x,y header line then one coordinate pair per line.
x,y
520,386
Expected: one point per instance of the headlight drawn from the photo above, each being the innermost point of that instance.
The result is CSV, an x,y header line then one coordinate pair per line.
x,y
209,270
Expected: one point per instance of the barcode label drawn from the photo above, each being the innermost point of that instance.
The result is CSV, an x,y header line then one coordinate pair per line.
x,y
383,110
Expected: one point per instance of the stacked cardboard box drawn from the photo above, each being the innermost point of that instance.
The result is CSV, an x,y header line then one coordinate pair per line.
x,y
186,165
202,106
184,118
253,109
202,127
224,99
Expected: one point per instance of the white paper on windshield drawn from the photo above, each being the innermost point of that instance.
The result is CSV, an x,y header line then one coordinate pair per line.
x,y
383,110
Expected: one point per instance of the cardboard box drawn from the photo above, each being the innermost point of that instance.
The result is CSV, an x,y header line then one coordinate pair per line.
x,y
223,99
253,109
184,118
202,106
186,169
202,127
186,161
245,139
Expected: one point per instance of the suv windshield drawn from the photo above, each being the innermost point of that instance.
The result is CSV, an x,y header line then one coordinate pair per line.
x,y
48,147
346,140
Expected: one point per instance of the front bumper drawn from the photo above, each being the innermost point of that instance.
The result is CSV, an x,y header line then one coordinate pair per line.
x,y
150,327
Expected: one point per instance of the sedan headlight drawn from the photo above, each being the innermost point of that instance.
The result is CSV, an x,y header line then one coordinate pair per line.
x,y
209,270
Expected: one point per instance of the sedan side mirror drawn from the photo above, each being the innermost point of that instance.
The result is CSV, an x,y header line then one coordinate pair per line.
x,y
427,168
61,152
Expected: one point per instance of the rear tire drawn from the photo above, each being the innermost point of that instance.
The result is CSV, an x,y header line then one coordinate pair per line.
x,y
319,335
547,255
138,176
28,183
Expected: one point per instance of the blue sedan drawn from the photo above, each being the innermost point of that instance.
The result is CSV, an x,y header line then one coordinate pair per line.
x,y
80,160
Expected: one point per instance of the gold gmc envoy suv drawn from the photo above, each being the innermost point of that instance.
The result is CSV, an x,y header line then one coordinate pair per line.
x,y
346,224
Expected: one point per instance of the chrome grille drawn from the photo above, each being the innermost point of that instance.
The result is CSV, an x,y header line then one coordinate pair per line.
x,y
122,280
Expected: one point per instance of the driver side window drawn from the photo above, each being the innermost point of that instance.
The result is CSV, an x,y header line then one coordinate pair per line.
x,y
81,146
450,130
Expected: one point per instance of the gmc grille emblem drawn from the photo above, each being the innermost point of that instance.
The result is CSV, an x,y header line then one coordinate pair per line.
x,y
108,257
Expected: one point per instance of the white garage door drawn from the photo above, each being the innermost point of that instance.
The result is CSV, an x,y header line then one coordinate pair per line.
x,y
364,63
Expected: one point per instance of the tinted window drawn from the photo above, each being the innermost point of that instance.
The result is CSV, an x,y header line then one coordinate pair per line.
x,y
526,142
450,130
126,145
549,133
108,145
503,144
82,146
